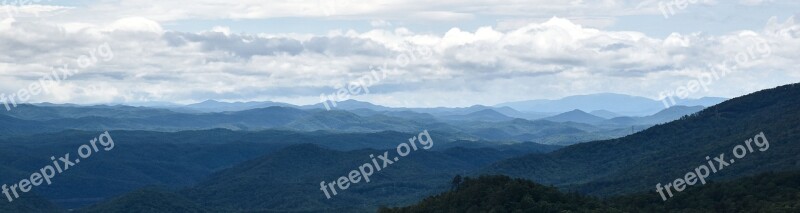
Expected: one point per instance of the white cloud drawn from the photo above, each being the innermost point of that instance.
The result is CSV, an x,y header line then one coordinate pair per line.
x,y
447,10
137,24
545,59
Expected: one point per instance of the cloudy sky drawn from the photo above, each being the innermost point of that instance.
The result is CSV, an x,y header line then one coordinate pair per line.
x,y
436,53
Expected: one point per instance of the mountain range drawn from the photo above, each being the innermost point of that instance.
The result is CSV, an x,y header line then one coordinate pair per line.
x,y
616,103
605,105
624,170
769,192
637,162
473,123
272,159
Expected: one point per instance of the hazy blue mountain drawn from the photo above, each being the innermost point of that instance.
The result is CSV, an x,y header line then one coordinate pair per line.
x,y
217,106
540,131
416,116
622,104
661,153
671,114
483,115
524,115
12,126
481,123
440,112
150,200
46,113
289,180
347,121
423,118
254,119
138,159
664,116
348,105
503,194
48,104
512,148
181,159
478,112
29,203
576,116
705,101
768,192
604,114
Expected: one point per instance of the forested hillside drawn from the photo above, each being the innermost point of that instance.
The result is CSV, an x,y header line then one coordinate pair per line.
x,y
769,192
661,153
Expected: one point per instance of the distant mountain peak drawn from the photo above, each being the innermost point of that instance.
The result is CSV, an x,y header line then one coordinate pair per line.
x,y
482,115
604,114
487,112
624,105
221,106
578,111
577,115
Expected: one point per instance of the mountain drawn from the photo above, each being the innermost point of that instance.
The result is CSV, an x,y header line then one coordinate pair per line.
x,y
348,105
664,116
576,116
480,123
503,194
347,121
289,180
439,112
605,114
29,203
769,192
511,112
138,159
705,101
149,199
483,115
217,106
671,114
47,113
254,119
622,104
13,126
405,177
539,131
182,159
637,162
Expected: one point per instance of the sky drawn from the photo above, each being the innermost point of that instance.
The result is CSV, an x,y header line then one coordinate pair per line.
x,y
409,53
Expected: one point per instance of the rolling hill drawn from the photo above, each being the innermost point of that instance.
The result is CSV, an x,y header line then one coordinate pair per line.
x,y
503,194
769,192
289,180
576,116
621,104
637,162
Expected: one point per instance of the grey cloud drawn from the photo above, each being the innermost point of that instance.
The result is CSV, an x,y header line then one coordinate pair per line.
x,y
197,66
343,46
242,45
247,46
